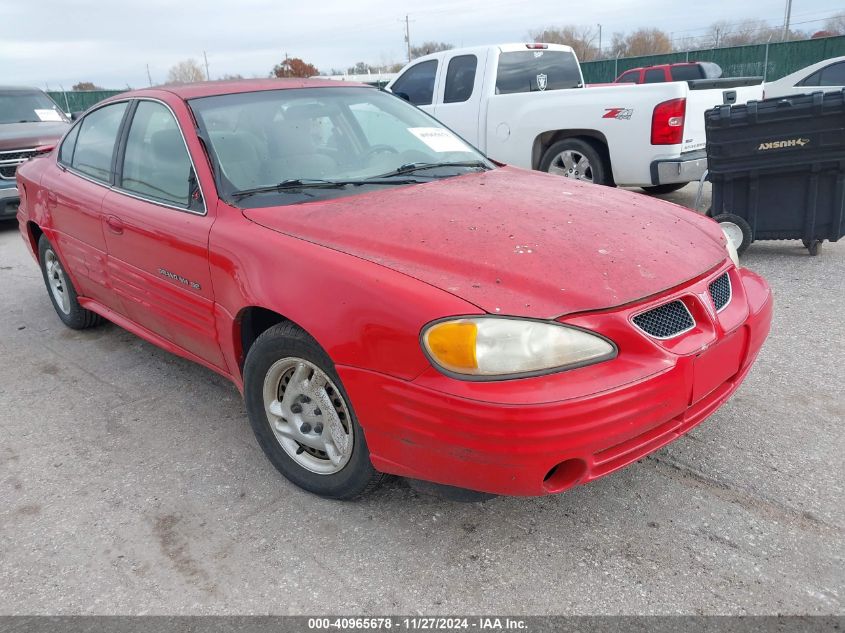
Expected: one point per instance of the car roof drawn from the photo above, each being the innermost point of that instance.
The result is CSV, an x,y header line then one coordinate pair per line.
x,y
20,89
214,88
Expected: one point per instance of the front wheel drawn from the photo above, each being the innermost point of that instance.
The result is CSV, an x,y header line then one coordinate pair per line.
x,y
302,417
577,159
667,188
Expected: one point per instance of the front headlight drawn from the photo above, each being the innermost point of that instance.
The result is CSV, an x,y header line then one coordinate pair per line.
x,y
489,347
731,247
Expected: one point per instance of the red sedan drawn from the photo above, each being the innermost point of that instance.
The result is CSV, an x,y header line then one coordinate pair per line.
x,y
386,298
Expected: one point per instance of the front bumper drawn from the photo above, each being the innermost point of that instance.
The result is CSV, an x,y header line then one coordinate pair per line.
x,y
543,435
689,167
9,200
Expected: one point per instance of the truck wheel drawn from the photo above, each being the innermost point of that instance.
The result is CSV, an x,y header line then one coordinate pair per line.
x,y
737,228
61,291
578,159
668,188
302,417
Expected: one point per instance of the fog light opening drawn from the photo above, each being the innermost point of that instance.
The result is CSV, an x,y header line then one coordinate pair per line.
x,y
565,475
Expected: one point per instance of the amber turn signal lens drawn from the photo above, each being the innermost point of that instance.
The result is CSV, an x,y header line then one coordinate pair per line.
x,y
452,344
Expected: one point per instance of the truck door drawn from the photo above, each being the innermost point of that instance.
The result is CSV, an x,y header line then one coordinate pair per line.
x,y
458,102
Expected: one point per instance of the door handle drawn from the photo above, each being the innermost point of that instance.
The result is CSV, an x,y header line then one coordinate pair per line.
x,y
51,198
115,225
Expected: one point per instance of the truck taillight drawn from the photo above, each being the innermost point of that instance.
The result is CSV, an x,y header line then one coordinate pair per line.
x,y
667,122
536,47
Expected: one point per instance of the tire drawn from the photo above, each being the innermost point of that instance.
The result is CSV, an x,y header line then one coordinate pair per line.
x,y
661,189
286,358
61,291
597,170
741,224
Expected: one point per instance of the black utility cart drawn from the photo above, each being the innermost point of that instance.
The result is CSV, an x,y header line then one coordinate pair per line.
x,y
778,169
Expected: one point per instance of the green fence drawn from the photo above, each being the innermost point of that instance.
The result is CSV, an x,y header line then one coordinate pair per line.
x,y
82,100
771,61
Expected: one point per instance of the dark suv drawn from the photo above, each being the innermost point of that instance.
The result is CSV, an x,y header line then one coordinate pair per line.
x,y
30,123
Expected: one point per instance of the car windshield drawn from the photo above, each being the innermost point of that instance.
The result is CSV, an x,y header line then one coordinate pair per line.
x,y
308,143
28,106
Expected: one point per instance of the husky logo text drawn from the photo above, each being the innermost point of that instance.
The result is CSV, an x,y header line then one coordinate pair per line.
x,y
793,142
542,81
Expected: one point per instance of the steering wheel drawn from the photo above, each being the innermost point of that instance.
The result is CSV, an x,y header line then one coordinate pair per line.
x,y
376,149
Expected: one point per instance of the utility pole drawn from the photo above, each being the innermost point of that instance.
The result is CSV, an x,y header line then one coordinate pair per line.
x,y
599,56
786,17
205,57
408,36
149,76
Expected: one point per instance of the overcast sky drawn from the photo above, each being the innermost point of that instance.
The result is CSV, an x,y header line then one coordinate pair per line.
x,y
61,42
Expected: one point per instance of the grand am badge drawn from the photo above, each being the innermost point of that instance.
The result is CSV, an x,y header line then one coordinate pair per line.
x,y
187,282
542,81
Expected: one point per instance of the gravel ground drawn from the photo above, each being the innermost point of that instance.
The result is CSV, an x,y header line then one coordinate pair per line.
x,y
130,482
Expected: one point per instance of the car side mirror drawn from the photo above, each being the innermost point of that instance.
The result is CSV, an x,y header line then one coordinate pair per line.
x,y
403,95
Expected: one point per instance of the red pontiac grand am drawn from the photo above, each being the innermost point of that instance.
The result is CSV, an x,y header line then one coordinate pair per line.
x,y
386,298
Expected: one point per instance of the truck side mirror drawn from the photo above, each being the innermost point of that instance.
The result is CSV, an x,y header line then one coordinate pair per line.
x,y
403,95
75,115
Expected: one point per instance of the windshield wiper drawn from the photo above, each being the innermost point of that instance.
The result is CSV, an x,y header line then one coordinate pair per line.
x,y
297,184
410,168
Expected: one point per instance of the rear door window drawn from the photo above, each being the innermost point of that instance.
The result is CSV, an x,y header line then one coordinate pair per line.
x,y
68,145
654,76
417,83
537,70
686,72
460,78
95,143
630,77
833,75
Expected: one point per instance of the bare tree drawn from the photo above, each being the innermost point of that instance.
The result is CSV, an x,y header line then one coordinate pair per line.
x,y
427,48
232,77
583,40
186,71
836,24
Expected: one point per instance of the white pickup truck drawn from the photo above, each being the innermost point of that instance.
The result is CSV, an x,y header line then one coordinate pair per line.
x,y
527,105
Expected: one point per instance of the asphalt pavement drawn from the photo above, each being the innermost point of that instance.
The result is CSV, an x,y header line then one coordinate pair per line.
x,y
130,483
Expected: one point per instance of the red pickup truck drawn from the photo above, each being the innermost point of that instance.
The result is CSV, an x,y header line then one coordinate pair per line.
x,y
682,71
386,298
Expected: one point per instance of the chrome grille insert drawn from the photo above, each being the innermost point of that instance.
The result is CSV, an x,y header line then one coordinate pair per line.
x,y
10,160
666,321
721,292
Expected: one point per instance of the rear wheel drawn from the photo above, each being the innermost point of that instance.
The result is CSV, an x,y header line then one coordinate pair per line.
x,y
61,291
661,189
577,159
737,229
302,417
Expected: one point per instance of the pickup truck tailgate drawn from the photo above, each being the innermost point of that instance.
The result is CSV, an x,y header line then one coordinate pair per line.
x,y
709,93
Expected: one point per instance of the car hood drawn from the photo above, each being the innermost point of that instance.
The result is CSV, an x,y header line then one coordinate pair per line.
x,y
28,135
515,242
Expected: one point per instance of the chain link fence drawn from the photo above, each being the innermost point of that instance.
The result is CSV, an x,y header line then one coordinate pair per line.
x,y
77,101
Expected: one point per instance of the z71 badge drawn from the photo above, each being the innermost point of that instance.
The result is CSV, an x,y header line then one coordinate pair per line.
x,y
623,114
